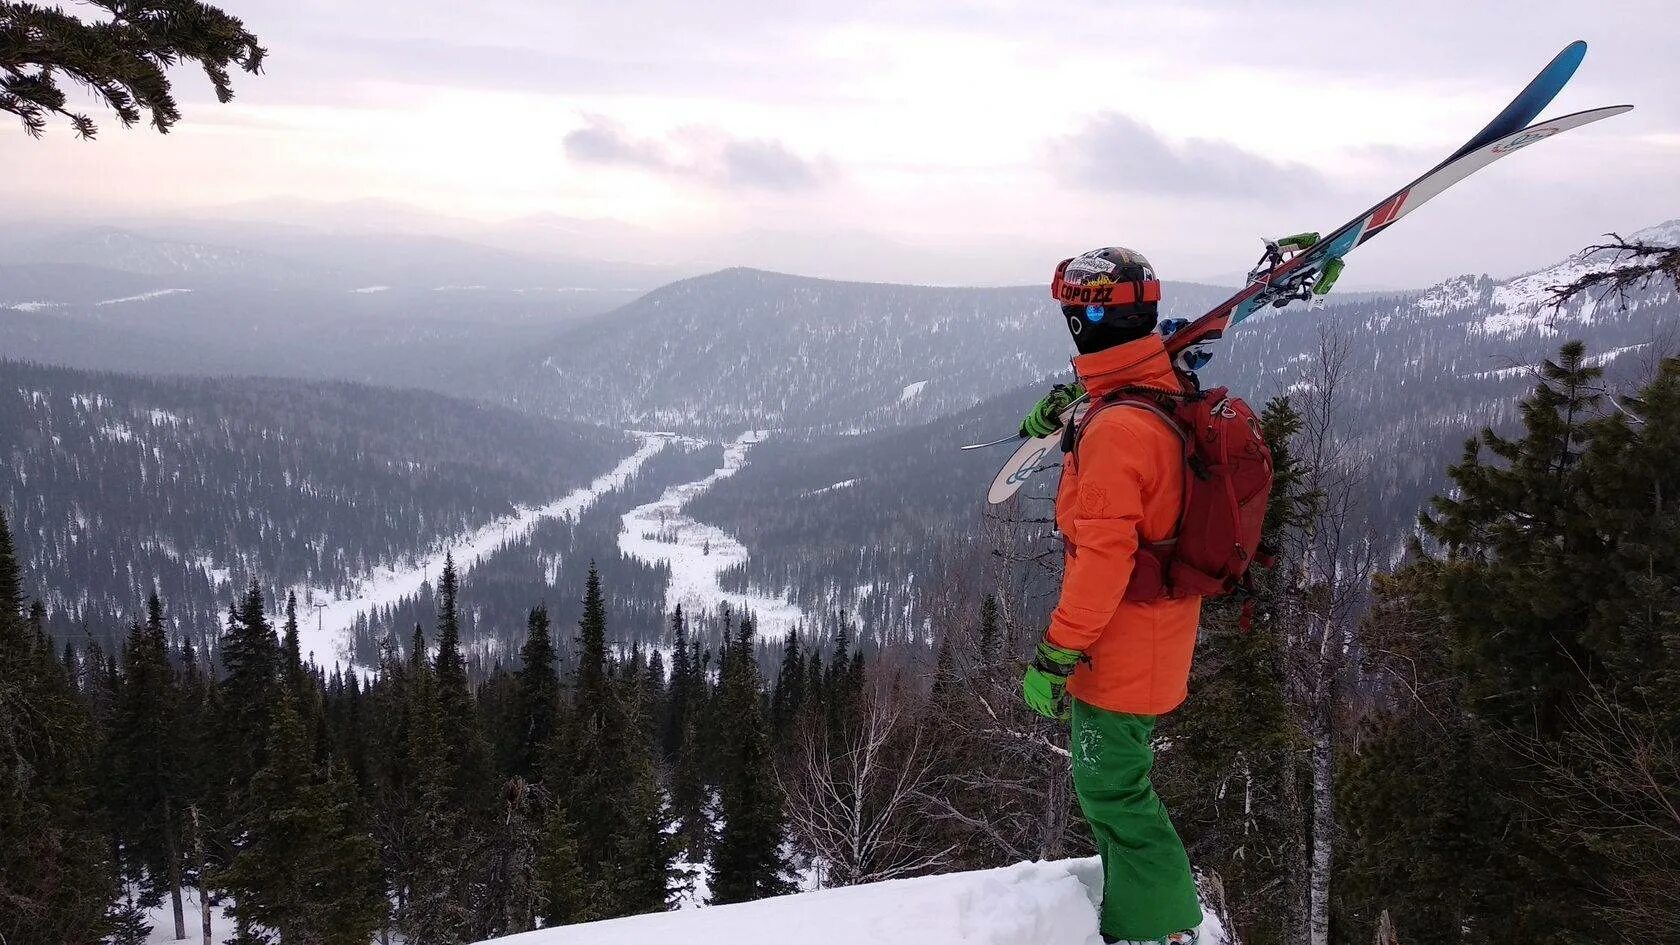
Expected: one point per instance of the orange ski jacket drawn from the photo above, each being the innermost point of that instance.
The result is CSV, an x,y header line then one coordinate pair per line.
x,y
1124,484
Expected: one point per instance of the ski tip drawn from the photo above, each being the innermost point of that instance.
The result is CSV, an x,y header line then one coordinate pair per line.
x,y
1568,59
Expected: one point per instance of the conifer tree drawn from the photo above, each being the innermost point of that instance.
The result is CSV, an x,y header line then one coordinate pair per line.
x,y
690,797
303,869
607,780
678,706
55,875
250,659
747,860
433,858
291,655
469,755
144,750
590,690
1520,569
945,682
642,853
567,894
788,697
538,696
509,895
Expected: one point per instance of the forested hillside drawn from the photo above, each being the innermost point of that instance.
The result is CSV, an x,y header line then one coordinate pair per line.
x,y
194,486
744,349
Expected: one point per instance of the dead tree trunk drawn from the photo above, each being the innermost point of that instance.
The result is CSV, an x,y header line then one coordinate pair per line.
x,y
198,864
172,847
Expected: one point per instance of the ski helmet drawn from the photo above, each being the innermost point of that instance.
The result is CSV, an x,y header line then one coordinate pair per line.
x,y
1108,296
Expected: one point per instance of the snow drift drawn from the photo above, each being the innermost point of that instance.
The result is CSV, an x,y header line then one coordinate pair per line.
x,y
1026,904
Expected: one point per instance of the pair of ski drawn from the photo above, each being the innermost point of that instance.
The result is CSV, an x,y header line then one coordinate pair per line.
x,y
1280,280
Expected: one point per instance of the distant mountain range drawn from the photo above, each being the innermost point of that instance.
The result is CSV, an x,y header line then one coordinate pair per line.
x,y
411,311
252,255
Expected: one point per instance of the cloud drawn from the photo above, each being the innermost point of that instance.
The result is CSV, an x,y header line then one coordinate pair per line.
x,y
769,165
1119,153
700,154
603,142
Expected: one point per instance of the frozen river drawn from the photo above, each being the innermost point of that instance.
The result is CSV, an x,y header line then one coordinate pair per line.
x,y
698,553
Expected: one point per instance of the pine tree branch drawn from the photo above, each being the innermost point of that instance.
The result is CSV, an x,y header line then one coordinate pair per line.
x,y
122,62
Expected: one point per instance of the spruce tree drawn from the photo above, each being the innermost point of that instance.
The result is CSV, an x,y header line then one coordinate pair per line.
x,y
607,777
538,696
144,751
509,894
291,655
567,895
56,878
590,690
788,696
1519,568
690,797
469,755
747,860
1233,781
433,851
248,692
303,868
642,852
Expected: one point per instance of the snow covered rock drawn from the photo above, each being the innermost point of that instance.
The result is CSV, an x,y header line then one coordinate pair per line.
x,y
1027,904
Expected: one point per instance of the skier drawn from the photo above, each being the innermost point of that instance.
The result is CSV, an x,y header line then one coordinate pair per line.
x,y
1110,663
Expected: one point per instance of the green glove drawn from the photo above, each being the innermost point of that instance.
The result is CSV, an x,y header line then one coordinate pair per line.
x,y
1046,416
1045,686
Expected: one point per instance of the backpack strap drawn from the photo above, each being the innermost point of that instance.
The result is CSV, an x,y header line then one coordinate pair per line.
x,y
1152,399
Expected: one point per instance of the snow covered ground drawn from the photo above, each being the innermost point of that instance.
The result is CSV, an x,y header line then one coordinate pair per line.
x,y
1026,904
324,617
162,921
698,553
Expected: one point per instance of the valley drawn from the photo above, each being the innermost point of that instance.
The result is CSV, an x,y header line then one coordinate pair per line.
x,y
859,504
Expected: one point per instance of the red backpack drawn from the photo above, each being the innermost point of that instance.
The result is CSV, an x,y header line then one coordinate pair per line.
x,y
1227,483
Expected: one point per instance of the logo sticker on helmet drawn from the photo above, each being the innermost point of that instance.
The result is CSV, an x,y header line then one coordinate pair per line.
x,y
1089,264
1094,313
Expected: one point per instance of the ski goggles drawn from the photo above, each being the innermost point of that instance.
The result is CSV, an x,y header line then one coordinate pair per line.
x,y
1102,293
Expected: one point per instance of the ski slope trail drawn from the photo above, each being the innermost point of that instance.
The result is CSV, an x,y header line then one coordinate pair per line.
x,y
324,618
698,553
1051,903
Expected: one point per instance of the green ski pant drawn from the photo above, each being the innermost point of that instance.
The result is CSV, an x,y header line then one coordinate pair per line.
x,y
1148,890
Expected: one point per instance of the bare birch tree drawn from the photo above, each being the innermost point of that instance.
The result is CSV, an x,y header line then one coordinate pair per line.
x,y
854,797
1331,562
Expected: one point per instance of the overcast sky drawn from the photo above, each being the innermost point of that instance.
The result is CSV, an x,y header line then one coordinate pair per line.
x,y
964,142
